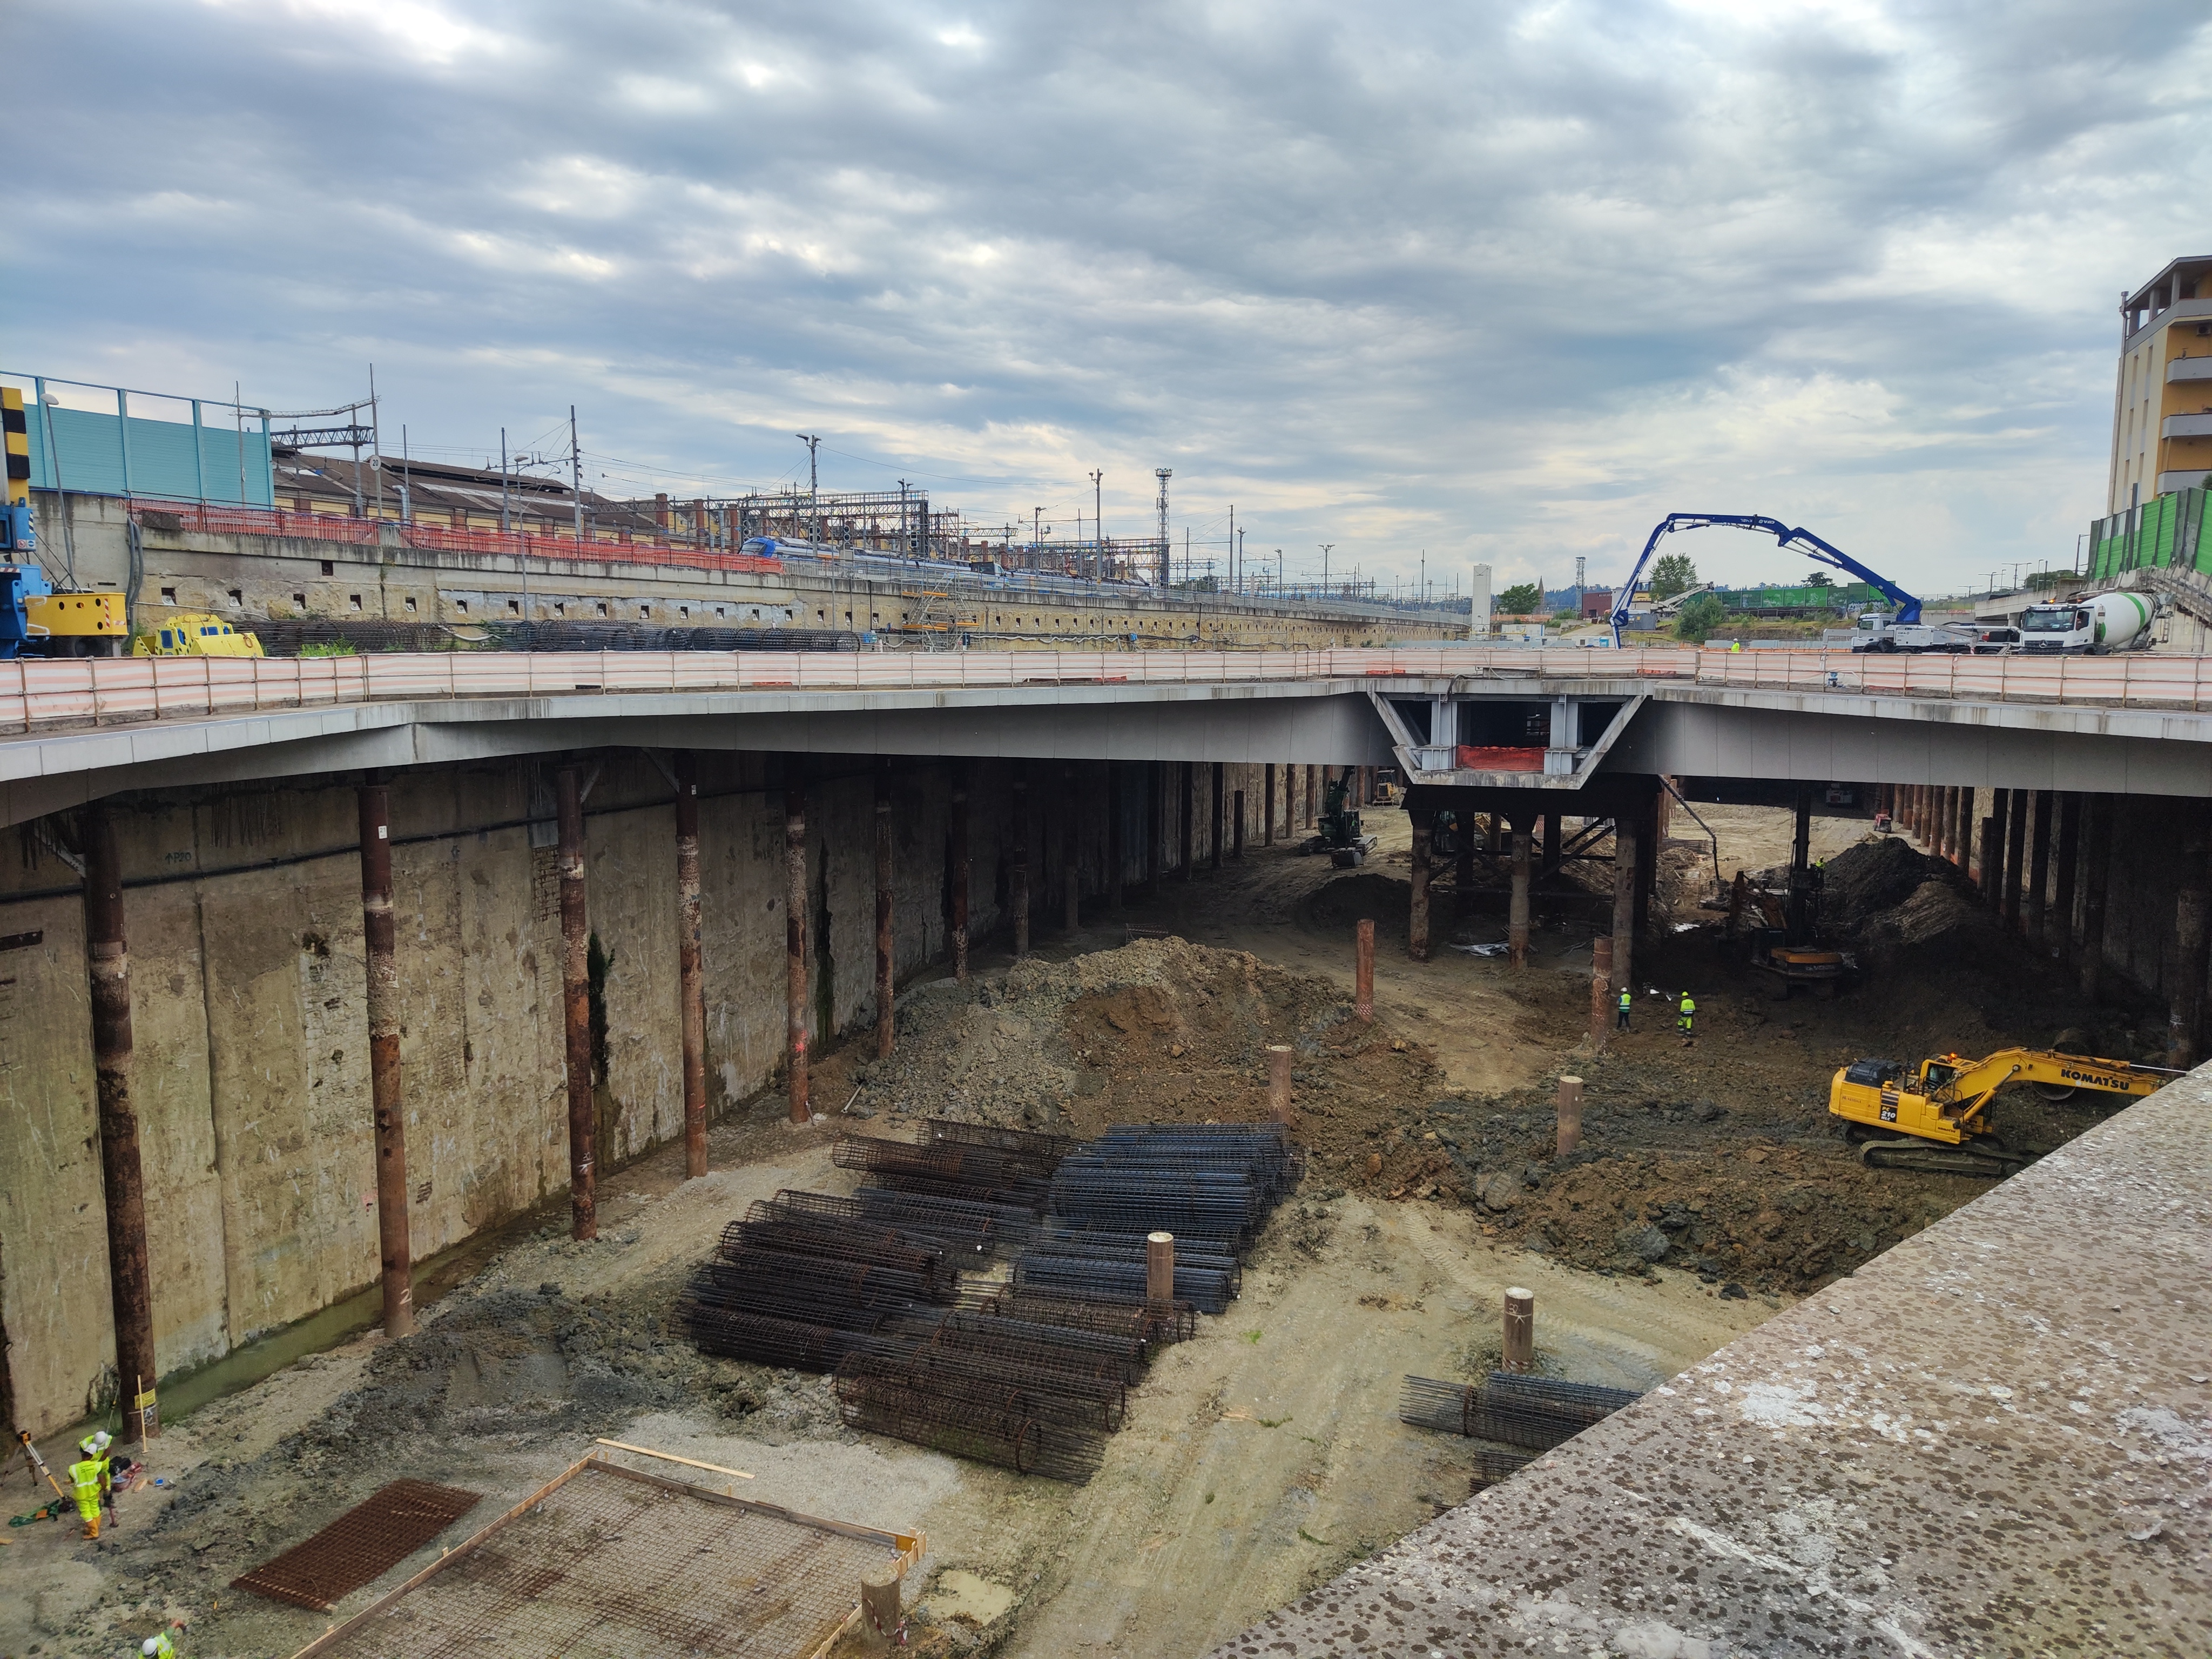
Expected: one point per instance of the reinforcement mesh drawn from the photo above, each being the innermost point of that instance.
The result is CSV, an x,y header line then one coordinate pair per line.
x,y
608,1567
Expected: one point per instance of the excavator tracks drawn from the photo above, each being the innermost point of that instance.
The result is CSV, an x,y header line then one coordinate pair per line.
x,y
1931,1159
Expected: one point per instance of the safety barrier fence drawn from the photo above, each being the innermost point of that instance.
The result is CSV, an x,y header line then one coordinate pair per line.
x,y
214,520
37,694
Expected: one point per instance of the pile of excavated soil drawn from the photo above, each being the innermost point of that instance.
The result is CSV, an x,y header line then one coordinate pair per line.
x,y
1159,1031
1340,905
1867,881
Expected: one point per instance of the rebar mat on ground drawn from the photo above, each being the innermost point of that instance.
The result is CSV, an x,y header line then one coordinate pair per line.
x,y
608,1565
361,1545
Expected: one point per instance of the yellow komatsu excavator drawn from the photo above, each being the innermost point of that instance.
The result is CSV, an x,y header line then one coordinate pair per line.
x,y
1939,1112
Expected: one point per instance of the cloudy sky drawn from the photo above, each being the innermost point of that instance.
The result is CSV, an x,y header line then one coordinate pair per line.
x,y
1503,282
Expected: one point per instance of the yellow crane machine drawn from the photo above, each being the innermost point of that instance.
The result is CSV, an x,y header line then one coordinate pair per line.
x,y
1939,1113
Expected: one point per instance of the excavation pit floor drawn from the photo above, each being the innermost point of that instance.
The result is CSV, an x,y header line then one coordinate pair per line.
x,y
1259,1458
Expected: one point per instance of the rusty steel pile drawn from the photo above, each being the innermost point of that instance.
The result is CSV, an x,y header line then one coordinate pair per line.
x,y
986,1293
1518,1416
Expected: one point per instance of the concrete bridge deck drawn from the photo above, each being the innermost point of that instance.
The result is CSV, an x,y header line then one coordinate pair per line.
x,y
1996,1438
88,727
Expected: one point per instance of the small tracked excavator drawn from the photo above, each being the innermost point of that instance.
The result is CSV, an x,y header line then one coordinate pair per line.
x,y
1939,1113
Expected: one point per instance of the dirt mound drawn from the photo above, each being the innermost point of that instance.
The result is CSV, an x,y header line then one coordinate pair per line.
x,y
1864,883
1388,900
1159,1031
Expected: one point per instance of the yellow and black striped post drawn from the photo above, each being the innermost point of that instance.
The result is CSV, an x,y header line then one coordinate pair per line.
x,y
15,535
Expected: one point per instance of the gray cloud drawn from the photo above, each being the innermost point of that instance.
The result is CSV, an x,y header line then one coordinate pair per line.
x,y
1490,281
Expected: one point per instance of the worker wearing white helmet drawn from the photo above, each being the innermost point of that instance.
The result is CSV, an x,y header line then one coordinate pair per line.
x,y
159,1646
96,1444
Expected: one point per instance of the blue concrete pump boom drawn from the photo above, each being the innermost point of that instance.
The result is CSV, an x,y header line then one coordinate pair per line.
x,y
1908,608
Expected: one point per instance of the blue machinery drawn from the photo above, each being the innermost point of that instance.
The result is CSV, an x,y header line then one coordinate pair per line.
x,y
1908,608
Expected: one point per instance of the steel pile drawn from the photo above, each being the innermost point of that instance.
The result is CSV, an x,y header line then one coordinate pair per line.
x,y
1031,1374
1532,1414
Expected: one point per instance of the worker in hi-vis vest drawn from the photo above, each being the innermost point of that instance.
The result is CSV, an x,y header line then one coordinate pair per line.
x,y
1689,1013
1626,1003
86,1476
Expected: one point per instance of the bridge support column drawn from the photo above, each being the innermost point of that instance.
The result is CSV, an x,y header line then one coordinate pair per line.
x,y
2192,907
1236,825
1623,902
886,896
2038,866
1268,802
1219,808
2096,878
576,1008
690,992
1948,810
1184,816
1417,926
2069,853
794,950
1117,854
2015,848
1071,878
1156,806
1516,913
1993,849
957,855
1966,830
387,1096
1018,872
1647,863
1313,794
130,1278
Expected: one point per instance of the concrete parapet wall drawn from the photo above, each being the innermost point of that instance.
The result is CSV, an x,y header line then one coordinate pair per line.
x,y
249,1075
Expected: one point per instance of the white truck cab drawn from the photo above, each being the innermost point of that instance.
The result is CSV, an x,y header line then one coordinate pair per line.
x,y
2106,621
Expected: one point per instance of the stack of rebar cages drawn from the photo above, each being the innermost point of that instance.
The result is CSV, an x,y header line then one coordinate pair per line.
x,y
1515,1417
986,1291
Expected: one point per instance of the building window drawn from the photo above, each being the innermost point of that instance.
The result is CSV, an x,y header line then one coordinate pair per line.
x,y
411,605
169,596
461,605
301,600
644,611
330,568
719,612
560,608
355,598
513,607
237,599
603,607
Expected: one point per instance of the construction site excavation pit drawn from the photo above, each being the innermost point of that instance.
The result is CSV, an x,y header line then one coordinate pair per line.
x,y
1257,1450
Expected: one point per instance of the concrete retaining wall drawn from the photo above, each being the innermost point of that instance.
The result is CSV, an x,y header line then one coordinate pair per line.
x,y
250,1074
244,578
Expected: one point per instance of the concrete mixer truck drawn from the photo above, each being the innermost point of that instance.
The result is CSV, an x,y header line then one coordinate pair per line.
x,y
2103,622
